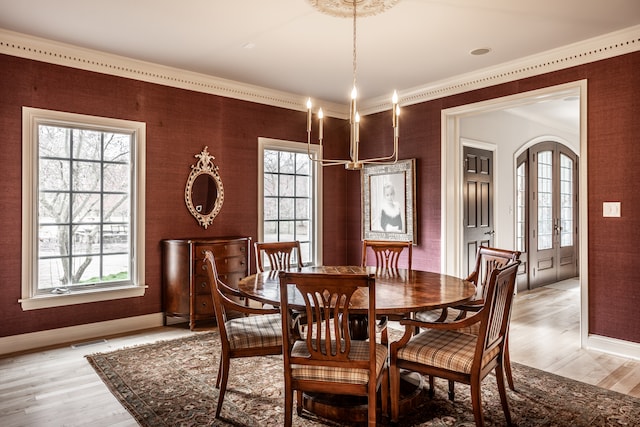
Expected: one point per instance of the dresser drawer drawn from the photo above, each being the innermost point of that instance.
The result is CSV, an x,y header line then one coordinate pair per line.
x,y
204,305
224,265
222,250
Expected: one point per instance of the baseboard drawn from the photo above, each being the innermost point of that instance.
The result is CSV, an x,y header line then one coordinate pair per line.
x,y
613,346
52,337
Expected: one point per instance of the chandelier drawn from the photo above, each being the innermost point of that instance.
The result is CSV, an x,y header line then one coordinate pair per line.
x,y
336,8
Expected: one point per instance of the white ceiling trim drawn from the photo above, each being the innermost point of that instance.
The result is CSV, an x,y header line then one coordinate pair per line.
x,y
26,46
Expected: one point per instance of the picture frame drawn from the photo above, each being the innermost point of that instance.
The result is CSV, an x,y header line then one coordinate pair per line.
x,y
388,201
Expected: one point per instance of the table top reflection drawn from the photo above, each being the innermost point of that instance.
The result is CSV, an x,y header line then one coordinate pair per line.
x,y
397,291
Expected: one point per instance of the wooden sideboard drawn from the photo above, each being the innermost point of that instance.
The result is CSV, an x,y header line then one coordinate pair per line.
x,y
185,284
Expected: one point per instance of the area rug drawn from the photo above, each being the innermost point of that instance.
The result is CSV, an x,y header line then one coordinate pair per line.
x,y
172,383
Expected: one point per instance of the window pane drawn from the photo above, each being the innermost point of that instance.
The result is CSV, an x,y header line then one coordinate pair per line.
x,y
86,208
287,162
303,208
116,177
286,209
545,213
51,271
117,147
286,187
116,208
566,201
270,184
86,176
270,161
303,186
302,164
54,141
115,268
54,174
270,209
87,144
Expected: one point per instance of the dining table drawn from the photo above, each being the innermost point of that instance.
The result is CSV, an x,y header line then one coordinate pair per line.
x,y
398,292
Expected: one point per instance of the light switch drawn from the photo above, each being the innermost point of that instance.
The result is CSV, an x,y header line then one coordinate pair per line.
x,y
611,209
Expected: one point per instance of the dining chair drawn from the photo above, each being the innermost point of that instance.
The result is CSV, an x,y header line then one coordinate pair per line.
x,y
387,253
326,359
256,333
444,350
487,259
281,255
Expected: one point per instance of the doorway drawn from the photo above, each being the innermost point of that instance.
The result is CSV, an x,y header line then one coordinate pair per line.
x,y
452,240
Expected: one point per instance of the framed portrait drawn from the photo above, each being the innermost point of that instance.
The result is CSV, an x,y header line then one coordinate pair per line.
x,y
388,201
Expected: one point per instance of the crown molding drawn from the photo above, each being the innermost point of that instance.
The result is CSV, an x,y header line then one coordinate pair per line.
x,y
595,49
586,51
39,49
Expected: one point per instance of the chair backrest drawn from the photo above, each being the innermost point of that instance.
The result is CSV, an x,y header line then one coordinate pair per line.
x,y
221,295
496,311
387,253
327,300
280,254
488,259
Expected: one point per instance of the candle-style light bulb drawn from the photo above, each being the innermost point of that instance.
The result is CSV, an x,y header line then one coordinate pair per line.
x,y
357,119
394,98
320,117
309,105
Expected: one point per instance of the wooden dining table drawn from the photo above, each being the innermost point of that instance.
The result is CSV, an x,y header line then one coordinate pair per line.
x,y
398,292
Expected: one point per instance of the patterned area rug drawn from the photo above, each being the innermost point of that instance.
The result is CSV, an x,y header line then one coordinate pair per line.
x,y
171,383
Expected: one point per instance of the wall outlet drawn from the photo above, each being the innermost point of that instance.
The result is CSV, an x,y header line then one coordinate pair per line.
x,y
611,209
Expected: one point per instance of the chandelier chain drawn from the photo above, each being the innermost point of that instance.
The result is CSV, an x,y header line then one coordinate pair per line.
x,y
355,62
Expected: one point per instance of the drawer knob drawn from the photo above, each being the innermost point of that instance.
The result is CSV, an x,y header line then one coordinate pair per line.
x,y
203,285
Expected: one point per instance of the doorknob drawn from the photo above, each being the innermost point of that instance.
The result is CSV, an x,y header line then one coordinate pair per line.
x,y
490,233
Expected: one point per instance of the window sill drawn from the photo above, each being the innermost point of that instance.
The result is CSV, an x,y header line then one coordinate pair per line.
x,y
81,297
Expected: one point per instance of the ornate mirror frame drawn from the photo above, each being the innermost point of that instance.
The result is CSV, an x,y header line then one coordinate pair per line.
x,y
204,167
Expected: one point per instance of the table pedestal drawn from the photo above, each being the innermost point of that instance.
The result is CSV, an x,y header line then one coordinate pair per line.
x,y
353,409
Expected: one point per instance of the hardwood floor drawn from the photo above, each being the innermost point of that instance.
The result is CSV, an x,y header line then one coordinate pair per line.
x,y
57,387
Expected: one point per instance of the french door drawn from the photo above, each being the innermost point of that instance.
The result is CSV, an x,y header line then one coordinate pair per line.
x,y
547,228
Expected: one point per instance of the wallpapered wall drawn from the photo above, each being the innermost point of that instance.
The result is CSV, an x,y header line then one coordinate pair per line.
x,y
180,123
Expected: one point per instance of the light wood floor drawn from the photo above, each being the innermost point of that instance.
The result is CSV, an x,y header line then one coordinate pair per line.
x,y
57,387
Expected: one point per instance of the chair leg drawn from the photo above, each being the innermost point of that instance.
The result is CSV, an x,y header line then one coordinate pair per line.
x,y
452,391
223,383
384,393
503,394
432,390
507,364
476,400
299,402
219,373
394,387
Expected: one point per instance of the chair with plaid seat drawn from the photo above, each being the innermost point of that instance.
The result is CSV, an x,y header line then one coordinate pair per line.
x,y
326,359
444,350
256,333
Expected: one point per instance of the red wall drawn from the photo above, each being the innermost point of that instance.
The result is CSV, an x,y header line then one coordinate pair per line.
x,y
613,136
180,123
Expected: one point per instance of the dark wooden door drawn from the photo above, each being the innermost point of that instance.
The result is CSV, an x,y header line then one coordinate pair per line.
x,y
477,203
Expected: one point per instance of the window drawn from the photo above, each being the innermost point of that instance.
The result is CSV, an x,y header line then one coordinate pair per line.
x,y
289,205
83,208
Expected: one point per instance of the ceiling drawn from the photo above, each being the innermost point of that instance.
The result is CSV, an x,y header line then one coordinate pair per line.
x,y
288,45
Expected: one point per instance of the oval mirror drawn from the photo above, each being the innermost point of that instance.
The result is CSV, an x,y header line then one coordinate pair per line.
x,y
204,193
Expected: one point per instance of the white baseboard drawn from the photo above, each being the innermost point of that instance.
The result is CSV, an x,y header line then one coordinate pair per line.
x,y
40,339
613,346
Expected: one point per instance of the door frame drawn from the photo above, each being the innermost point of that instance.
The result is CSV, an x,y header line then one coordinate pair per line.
x,y
451,182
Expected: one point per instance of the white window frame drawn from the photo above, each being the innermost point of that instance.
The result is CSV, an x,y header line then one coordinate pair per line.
x,y
316,173
31,119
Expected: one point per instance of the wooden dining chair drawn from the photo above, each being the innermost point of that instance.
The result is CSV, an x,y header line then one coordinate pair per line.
x,y
327,359
281,255
386,253
487,259
257,333
444,350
